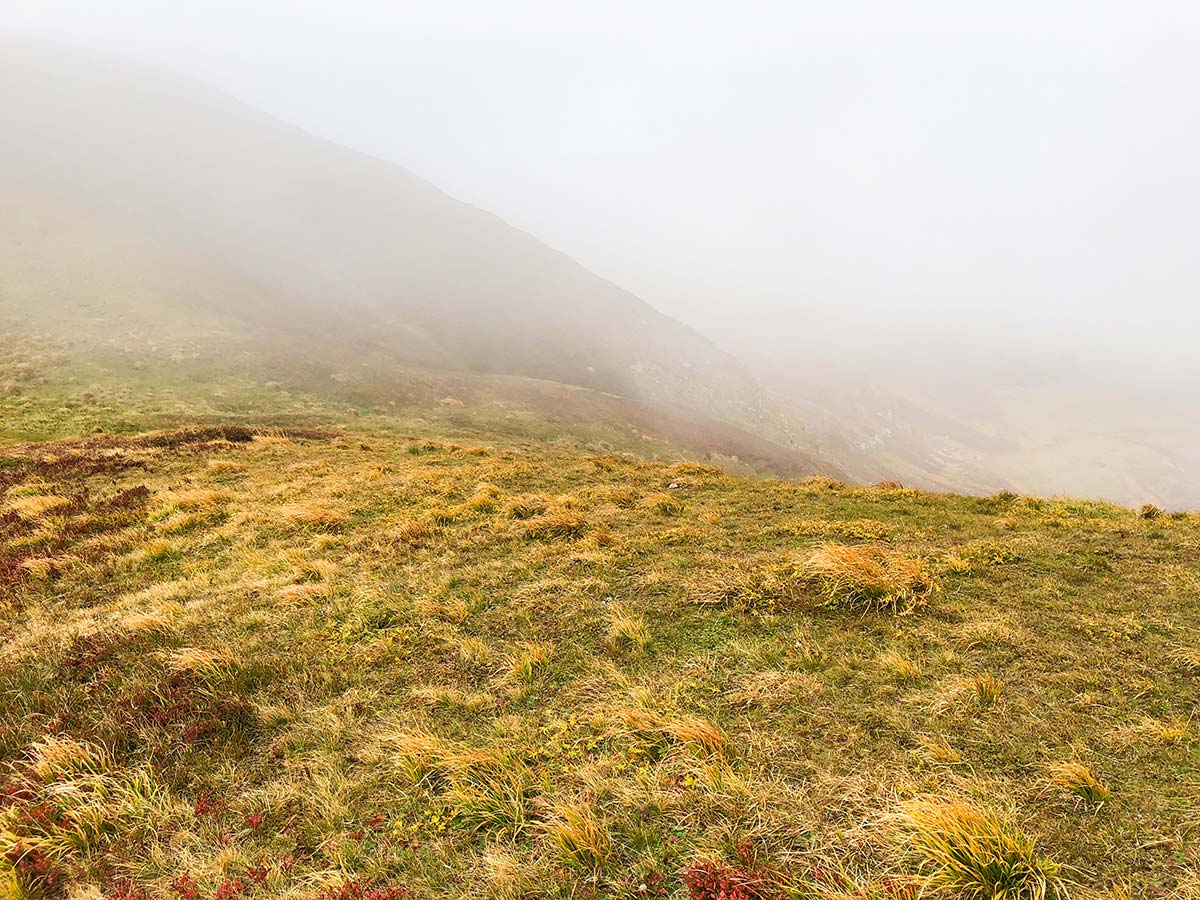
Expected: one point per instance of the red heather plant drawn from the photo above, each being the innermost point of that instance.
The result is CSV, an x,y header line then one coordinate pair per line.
x,y
208,805
230,889
713,881
356,889
37,874
185,886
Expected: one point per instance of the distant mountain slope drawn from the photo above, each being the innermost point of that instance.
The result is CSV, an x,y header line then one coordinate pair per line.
x,y
1046,436
140,207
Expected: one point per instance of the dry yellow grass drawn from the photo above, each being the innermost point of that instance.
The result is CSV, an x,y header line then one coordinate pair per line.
x,y
899,665
34,505
627,633
866,577
209,665
315,515
965,852
580,839
664,503
1077,779
489,699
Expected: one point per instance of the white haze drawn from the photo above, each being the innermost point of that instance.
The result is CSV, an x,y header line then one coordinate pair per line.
x,y
935,192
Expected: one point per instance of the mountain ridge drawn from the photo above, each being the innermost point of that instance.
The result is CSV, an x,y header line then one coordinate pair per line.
x,y
182,195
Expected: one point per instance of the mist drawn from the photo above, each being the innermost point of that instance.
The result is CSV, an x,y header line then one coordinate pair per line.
x,y
930,200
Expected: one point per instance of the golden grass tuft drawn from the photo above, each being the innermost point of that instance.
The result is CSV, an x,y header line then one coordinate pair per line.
x,y
663,503
33,506
42,568
580,839
771,688
526,506
308,569
162,620
315,515
556,523
699,736
420,755
870,578
492,790
207,665
654,731
474,651
55,758
985,688
525,665
956,564
220,468
415,533
195,500
157,550
898,665
967,853
1077,779
627,634
440,696
1188,659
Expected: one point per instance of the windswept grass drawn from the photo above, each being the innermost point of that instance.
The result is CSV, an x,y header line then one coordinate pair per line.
x,y
870,578
477,666
965,852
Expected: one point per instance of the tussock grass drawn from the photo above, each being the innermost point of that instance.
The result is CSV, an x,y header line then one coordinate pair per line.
x,y
580,839
664,504
315,515
1077,779
985,688
653,732
965,852
416,533
492,791
870,578
556,523
450,697
193,500
525,665
208,665
421,755
627,633
898,665
34,506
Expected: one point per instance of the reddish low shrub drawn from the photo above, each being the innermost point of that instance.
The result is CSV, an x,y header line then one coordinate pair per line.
x,y
198,715
37,874
356,889
713,881
185,886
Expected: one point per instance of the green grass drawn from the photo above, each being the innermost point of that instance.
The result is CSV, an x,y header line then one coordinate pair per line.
x,y
480,664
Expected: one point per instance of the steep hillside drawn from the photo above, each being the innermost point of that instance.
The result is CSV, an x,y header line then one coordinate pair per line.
x,y
143,210
363,666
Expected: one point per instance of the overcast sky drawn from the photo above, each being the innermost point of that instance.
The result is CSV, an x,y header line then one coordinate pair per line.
x,y
859,173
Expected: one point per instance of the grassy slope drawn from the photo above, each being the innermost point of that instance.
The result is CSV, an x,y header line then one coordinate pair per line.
x,y
421,663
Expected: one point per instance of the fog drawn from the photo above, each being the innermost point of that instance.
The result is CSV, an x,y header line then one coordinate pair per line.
x,y
934,192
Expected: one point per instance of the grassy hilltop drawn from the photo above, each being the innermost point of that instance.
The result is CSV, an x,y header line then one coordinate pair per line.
x,y
361,661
